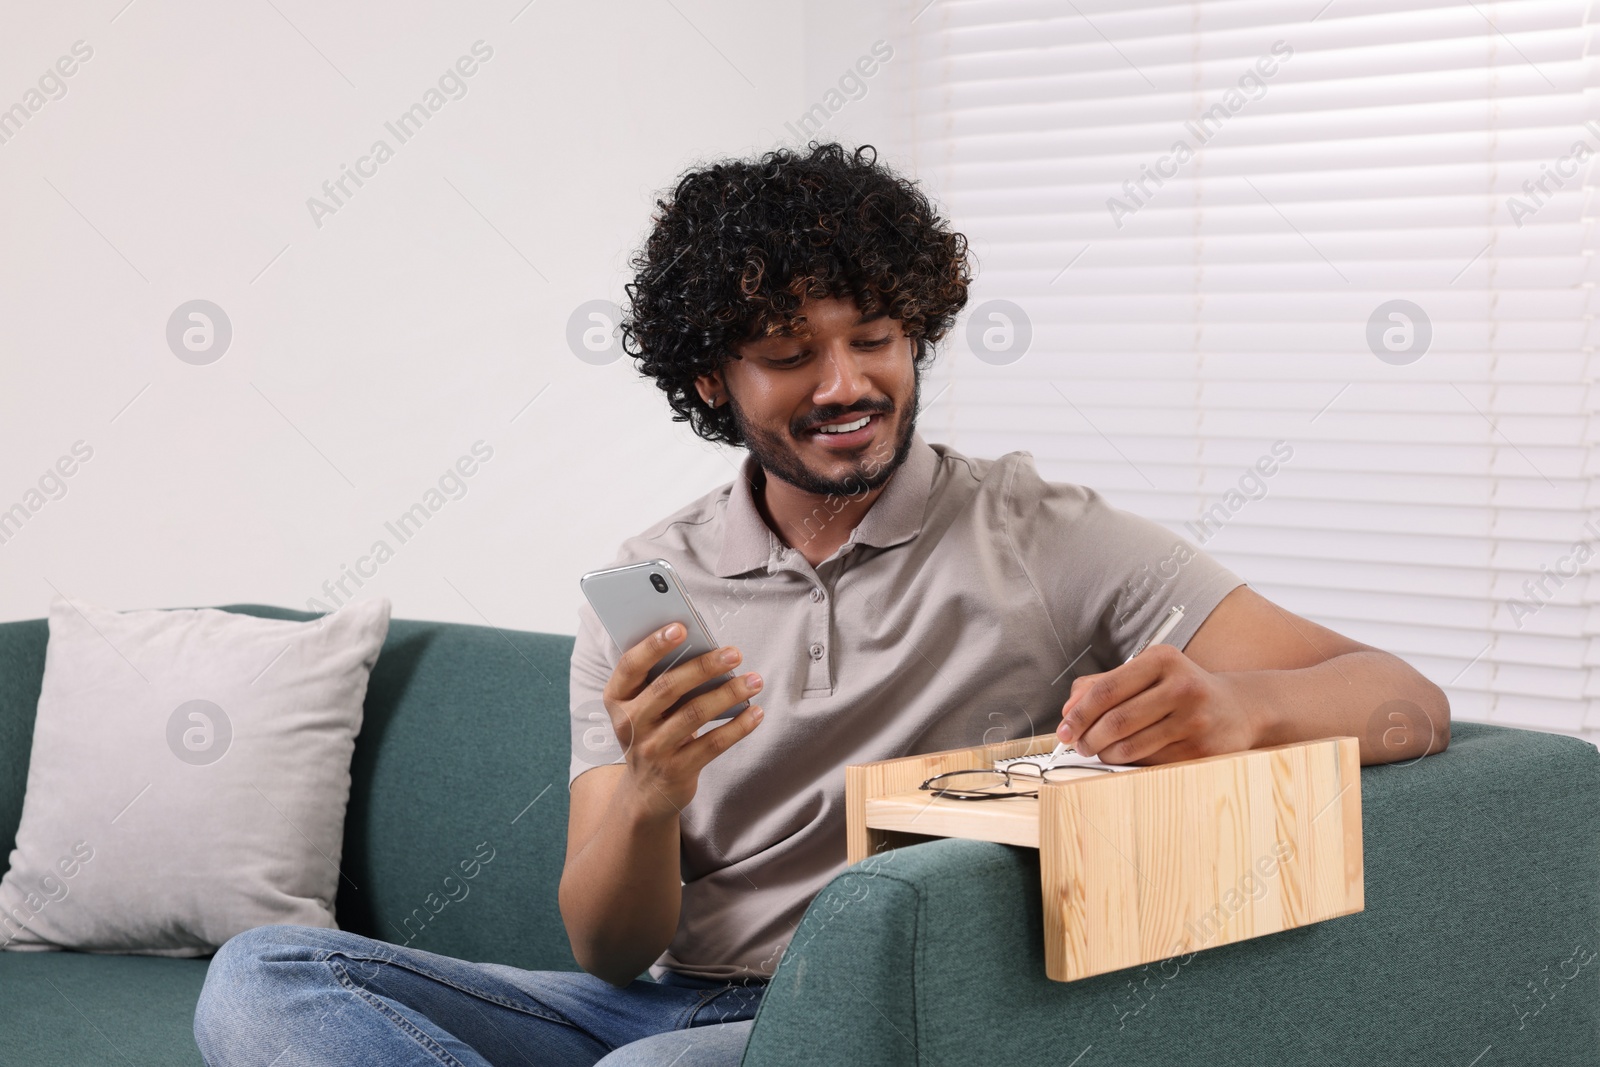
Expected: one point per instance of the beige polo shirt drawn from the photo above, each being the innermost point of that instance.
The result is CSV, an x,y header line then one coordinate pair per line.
x,y
960,610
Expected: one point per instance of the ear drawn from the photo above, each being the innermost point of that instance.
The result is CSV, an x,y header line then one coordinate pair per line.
x,y
711,388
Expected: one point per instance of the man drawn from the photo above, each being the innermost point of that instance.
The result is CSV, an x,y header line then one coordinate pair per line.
x,y
881,597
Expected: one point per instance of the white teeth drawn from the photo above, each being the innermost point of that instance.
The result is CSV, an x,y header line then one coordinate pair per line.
x,y
846,427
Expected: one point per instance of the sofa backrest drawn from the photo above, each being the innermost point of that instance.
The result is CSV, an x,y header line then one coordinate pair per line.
x,y
458,770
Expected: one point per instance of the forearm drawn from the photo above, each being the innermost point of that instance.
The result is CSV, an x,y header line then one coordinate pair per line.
x,y
621,893
1346,695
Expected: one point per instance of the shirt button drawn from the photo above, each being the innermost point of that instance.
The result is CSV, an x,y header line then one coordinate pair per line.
x,y
816,651
816,596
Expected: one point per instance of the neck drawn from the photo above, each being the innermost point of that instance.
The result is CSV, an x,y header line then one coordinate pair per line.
x,y
813,524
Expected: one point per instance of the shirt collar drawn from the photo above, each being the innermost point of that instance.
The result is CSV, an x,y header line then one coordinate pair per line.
x,y
895,516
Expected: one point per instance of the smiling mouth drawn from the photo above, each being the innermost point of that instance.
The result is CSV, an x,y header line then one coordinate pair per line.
x,y
844,427
855,432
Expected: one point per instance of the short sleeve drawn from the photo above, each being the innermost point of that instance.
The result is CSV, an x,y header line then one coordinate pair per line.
x,y
1107,577
594,657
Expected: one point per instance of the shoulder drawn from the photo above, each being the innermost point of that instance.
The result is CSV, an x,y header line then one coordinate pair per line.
x,y
957,473
1011,483
1053,520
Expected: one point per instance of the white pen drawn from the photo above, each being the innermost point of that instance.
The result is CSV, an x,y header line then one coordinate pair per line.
x,y
1162,632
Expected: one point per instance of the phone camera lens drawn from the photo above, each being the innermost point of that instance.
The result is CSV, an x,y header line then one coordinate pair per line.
x,y
659,582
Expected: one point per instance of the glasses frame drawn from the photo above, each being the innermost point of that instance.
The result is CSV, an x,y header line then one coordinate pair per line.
x,y
1006,778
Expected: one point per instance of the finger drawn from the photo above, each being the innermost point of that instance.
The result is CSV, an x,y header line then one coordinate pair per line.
x,y
1138,712
1079,686
713,743
629,675
1106,691
1136,745
682,723
660,696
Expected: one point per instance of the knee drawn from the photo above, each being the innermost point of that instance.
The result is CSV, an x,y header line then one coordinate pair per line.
x,y
239,995
713,1045
243,958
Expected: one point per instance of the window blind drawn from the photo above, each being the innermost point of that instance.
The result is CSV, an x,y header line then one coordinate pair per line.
x,y
1350,243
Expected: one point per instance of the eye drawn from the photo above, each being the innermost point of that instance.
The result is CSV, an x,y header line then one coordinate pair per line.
x,y
789,362
876,343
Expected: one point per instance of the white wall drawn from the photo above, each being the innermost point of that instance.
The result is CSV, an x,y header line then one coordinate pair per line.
x,y
370,352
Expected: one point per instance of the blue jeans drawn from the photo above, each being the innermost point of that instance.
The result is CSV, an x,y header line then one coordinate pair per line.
x,y
299,995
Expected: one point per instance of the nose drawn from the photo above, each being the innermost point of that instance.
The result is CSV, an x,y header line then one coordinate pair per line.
x,y
843,383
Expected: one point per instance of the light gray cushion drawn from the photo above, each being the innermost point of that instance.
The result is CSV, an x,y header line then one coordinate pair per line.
x,y
189,777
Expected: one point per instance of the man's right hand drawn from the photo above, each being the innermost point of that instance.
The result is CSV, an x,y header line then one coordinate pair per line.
x,y
621,890
664,756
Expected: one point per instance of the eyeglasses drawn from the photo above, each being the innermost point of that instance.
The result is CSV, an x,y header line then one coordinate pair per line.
x,y
996,784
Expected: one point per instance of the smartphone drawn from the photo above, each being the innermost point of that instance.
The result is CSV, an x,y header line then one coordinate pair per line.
x,y
637,600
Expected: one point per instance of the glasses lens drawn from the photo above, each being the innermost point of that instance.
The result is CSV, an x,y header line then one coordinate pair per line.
x,y
984,782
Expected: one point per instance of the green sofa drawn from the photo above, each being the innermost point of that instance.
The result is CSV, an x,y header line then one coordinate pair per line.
x,y
1480,943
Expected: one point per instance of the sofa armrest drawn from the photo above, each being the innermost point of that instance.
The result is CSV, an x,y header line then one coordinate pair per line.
x,y
1481,930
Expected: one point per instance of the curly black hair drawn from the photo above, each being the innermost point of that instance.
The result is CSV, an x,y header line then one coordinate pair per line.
x,y
743,242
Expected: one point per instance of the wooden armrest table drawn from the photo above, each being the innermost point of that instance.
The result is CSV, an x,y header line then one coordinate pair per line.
x,y
1141,865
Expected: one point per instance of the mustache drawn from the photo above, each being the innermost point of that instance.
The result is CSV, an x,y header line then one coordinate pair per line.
x,y
835,414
